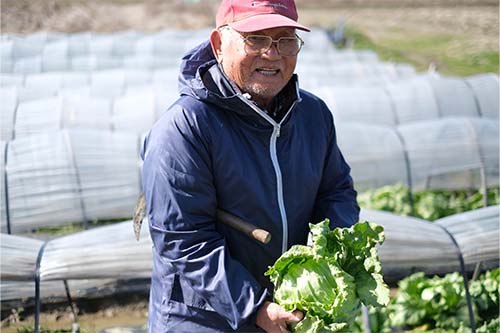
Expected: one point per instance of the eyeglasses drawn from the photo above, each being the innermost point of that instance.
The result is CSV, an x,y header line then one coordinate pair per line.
x,y
286,46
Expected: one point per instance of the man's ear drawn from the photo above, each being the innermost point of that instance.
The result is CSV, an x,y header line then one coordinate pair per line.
x,y
216,42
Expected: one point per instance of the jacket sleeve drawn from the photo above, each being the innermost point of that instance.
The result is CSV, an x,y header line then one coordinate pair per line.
x,y
336,198
179,190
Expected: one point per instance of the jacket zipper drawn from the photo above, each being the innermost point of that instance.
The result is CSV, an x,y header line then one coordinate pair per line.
x,y
274,158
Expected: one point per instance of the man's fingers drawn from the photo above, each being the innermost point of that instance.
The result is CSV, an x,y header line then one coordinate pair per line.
x,y
294,316
283,329
298,314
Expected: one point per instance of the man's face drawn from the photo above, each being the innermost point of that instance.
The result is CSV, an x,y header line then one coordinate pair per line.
x,y
263,75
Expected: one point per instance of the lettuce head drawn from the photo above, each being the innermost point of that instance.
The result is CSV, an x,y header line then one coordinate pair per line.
x,y
331,279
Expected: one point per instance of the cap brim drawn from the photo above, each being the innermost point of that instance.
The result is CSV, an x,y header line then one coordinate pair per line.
x,y
266,21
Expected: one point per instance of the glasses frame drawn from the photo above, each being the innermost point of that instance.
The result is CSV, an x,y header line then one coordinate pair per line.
x,y
273,41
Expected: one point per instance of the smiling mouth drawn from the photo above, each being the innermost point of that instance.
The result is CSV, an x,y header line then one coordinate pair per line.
x,y
268,72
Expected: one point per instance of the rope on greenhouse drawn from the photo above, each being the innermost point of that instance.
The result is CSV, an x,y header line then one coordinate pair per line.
x,y
71,304
393,105
78,178
464,275
6,187
408,170
14,115
476,100
482,169
37,287
440,114
112,110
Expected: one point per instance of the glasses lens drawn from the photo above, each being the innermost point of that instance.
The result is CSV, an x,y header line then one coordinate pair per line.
x,y
289,46
258,44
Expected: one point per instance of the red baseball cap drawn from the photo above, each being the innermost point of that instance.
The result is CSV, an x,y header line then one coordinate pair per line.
x,y
249,16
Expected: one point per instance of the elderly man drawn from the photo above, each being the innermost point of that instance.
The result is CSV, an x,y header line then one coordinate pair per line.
x,y
243,138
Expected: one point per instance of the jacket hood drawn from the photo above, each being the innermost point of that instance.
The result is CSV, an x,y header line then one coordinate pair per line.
x,y
203,78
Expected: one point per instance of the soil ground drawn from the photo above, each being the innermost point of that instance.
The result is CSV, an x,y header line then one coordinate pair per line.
x,y
474,22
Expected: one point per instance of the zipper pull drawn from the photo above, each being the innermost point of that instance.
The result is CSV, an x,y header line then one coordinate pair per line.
x,y
277,129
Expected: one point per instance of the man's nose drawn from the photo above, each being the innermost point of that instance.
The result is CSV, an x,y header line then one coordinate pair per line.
x,y
272,52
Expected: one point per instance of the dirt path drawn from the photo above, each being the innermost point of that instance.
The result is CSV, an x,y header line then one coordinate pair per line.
x,y
476,21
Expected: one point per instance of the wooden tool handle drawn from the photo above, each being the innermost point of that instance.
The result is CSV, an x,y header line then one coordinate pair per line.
x,y
249,229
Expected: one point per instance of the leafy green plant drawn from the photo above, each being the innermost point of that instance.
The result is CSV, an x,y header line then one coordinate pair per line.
x,y
430,205
485,293
438,305
430,303
331,279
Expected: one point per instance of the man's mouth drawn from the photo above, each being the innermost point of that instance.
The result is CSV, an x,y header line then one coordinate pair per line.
x,y
267,71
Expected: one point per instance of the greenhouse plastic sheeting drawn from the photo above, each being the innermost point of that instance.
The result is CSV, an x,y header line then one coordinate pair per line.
x,y
411,242
412,99
370,106
19,293
112,252
317,41
134,111
27,65
313,76
102,252
91,51
448,153
56,113
93,62
375,154
8,80
8,105
55,56
164,94
57,80
451,153
417,245
69,176
18,257
105,83
476,232
454,97
122,78
487,92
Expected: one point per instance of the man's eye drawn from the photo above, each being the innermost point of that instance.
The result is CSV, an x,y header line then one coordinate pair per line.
x,y
287,40
257,39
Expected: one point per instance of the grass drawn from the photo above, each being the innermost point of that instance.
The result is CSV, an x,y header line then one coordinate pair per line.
x,y
449,53
74,227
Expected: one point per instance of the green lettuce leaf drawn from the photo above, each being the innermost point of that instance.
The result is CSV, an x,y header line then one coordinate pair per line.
x,y
330,280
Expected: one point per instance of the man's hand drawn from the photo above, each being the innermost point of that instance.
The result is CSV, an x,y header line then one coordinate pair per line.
x,y
272,318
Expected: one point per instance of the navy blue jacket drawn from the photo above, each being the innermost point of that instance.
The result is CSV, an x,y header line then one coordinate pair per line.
x,y
214,149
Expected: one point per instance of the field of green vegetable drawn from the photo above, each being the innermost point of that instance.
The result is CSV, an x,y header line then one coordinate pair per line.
x,y
438,305
429,205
